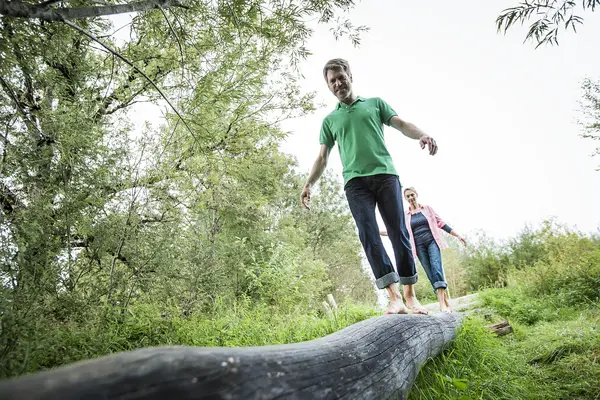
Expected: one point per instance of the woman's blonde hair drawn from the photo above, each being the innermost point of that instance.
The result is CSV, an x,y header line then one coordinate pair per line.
x,y
412,189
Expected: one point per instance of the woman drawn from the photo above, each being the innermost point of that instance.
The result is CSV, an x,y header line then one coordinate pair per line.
x,y
424,227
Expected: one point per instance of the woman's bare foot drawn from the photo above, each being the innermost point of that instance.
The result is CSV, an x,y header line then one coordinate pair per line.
x,y
396,307
448,308
415,306
447,302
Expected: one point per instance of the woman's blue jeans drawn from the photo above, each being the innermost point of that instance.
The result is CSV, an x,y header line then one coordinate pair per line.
x,y
431,259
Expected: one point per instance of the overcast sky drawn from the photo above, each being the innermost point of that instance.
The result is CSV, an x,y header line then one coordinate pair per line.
x,y
504,114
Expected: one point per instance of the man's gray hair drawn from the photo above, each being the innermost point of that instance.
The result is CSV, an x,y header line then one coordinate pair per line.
x,y
336,63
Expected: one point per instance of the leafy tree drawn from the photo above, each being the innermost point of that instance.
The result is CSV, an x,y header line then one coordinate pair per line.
x,y
97,216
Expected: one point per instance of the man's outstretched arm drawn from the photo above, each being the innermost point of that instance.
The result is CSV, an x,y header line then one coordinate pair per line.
x,y
412,131
315,173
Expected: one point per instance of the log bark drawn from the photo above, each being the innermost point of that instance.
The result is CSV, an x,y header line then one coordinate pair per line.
x,y
373,359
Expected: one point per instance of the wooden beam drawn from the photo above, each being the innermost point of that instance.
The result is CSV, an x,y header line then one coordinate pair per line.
x,y
373,359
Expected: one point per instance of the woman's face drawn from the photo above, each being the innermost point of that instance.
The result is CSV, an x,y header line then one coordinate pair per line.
x,y
410,196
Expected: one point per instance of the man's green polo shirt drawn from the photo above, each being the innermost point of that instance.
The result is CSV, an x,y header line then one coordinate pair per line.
x,y
358,130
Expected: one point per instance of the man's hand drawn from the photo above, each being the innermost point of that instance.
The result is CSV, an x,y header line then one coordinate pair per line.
x,y
305,196
430,143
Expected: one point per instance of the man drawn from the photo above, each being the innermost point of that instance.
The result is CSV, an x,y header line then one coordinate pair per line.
x,y
370,180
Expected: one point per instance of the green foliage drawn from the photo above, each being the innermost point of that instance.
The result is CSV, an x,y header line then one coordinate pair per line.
x,y
552,16
548,290
101,219
518,306
563,354
477,366
561,269
549,260
555,358
240,323
570,272
486,263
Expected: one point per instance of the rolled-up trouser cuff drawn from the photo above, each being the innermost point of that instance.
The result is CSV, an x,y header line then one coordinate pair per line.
x,y
440,284
409,280
387,280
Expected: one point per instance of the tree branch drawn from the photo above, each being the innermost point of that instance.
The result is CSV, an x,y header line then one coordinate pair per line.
x,y
107,47
162,10
8,200
18,9
19,106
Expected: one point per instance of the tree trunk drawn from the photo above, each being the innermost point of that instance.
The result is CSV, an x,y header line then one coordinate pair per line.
x,y
373,359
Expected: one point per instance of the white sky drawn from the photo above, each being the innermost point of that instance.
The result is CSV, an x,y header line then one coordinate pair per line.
x,y
504,114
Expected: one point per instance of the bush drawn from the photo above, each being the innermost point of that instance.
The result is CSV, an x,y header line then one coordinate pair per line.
x,y
487,264
570,272
516,305
553,261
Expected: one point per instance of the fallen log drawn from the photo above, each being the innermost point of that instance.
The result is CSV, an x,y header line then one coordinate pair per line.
x,y
500,328
373,359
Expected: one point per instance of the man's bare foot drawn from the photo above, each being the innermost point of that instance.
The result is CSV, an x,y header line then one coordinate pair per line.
x,y
415,306
396,307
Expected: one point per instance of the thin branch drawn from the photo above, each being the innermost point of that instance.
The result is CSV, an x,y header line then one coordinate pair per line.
x,y
6,143
123,105
107,47
176,38
19,106
18,9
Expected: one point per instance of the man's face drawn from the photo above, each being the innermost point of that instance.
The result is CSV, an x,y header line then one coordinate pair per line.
x,y
339,83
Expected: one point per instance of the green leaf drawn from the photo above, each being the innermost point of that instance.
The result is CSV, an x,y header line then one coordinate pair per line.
x,y
460,384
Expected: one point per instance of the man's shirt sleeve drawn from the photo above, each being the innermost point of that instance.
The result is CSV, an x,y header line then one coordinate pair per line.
x,y
326,137
385,111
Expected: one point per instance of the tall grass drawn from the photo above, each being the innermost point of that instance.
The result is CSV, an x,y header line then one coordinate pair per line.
x,y
229,324
477,366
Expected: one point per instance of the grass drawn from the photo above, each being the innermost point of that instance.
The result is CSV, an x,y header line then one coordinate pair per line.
x,y
554,353
151,325
477,366
564,354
